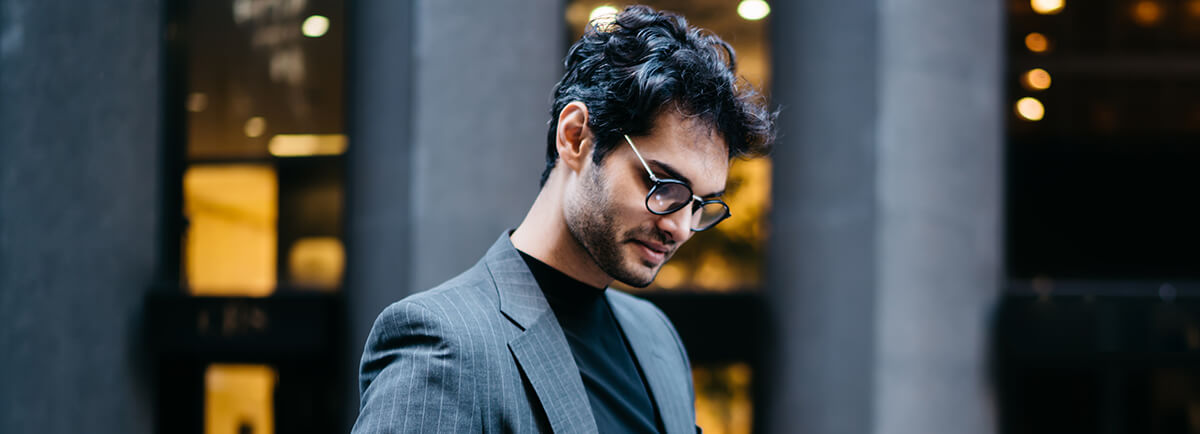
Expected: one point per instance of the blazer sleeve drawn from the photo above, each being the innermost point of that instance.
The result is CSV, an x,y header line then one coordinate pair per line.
x,y
411,378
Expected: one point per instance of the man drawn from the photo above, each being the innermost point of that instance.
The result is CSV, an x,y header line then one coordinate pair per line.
x,y
645,123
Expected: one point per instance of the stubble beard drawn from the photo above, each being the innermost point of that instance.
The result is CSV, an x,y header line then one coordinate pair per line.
x,y
590,222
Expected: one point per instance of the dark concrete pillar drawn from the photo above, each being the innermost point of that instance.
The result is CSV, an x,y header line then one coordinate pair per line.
x,y
447,124
379,85
80,207
885,254
483,76
822,265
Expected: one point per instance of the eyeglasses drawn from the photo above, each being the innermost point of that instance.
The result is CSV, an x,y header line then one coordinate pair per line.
x,y
670,195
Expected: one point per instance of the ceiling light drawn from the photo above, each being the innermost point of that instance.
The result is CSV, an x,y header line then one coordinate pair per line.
x,y
753,10
315,26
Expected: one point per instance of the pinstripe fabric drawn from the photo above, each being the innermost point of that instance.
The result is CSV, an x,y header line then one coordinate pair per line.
x,y
483,352
660,353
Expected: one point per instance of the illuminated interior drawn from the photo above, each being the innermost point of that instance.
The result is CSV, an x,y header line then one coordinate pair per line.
x,y
230,239
262,83
723,404
316,262
238,399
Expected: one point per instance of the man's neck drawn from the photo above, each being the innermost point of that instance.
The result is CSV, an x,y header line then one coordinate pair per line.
x,y
544,235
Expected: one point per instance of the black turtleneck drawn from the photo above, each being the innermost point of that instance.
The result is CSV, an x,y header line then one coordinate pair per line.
x,y
615,386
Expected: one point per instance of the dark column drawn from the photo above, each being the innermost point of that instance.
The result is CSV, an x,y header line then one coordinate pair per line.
x,y
80,209
482,81
378,171
823,268
447,124
885,255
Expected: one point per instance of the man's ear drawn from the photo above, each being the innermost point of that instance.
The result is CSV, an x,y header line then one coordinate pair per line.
x,y
573,139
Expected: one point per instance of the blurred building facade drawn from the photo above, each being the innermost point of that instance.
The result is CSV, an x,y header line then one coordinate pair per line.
x,y
204,205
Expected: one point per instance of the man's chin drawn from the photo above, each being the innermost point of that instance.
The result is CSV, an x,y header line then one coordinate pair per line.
x,y
639,275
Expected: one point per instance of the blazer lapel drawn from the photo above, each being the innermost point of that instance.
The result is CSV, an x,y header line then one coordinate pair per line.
x,y
541,351
664,384
544,356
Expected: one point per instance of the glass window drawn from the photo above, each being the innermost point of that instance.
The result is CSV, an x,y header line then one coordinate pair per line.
x,y
261,84
264,181
229,246
1104,118
238,399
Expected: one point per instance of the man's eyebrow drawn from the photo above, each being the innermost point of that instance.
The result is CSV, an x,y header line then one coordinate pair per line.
x,y
671,172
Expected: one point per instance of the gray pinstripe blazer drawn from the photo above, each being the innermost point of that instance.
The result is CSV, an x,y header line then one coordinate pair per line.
x,y
483,352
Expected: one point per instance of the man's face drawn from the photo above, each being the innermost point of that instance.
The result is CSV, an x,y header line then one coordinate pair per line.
x,y
606,212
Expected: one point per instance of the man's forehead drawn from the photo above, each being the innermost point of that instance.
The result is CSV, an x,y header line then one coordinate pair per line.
x,y
690,151
693,133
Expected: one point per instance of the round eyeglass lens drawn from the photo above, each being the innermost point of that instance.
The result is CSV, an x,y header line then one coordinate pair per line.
x,y
708,214
668,197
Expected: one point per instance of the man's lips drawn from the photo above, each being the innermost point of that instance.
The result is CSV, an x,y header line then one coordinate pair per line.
x,y
657,247
652,252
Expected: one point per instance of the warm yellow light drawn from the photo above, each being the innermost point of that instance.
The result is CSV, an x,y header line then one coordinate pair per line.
x,y
670,276
317,262
1193,8
1037,42
605,13
1036,79
197,102
315,26
1147,13
1047,7
724,403
1031,109
230,242
753,10
239,398
717,272
255,126
303,145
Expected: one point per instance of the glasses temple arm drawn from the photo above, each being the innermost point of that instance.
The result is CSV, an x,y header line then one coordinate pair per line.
x,y
639,155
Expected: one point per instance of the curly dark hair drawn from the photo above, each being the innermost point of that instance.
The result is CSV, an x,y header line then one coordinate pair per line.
x,y
628,70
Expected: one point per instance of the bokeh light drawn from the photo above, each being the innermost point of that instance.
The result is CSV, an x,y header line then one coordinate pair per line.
x,y
608,12
1030,109
255,126
1036,79
1047,7
1037,42
753,10
1147,13
197,102
315,26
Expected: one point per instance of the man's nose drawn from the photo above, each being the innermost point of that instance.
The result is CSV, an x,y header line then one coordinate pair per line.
x,y
678,224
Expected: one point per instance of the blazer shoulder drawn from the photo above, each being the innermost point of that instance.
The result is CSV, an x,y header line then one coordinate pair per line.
x,y
447,310
417,361
472,290
446,320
